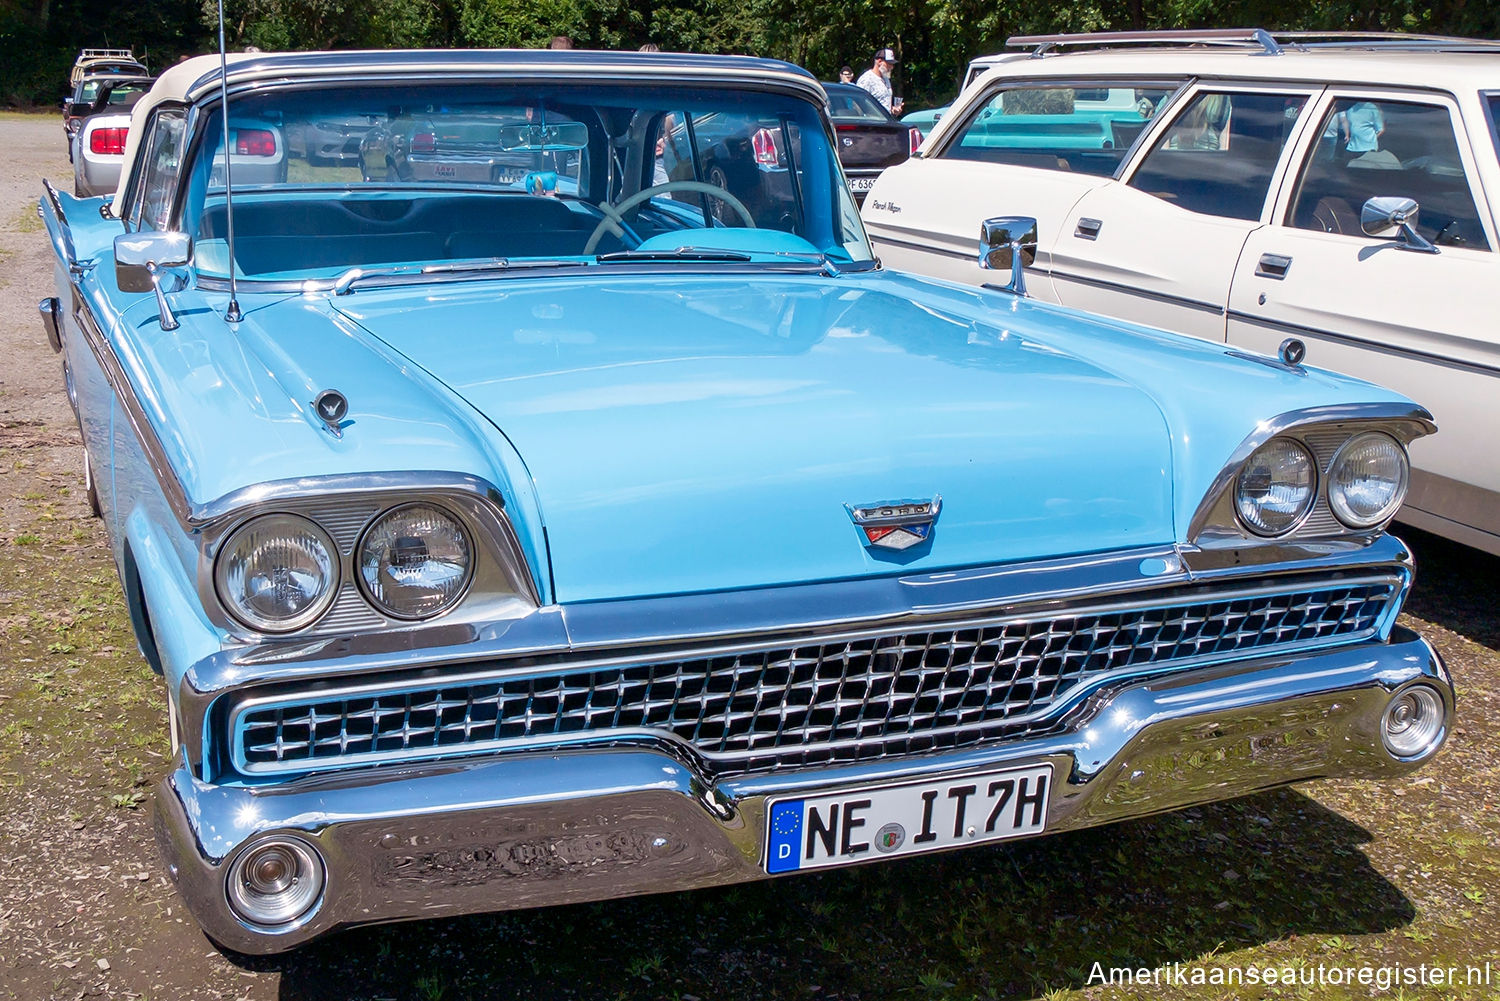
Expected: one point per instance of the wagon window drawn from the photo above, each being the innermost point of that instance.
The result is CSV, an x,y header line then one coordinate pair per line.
x,y
1368,149
1059,128
1219,154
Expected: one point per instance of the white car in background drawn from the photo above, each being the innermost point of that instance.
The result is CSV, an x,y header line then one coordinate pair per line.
x,y
1336,189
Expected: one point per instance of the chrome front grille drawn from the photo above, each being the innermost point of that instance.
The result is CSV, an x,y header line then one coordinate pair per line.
x,y
829,700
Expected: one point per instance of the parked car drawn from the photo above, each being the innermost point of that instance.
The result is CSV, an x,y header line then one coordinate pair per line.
x,y
493,146
1336,189
869,137
94,94
95,62
504,545
328,140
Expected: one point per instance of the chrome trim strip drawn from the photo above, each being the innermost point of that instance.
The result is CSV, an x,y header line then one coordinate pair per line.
x,y
1166,297
925,248
1292,328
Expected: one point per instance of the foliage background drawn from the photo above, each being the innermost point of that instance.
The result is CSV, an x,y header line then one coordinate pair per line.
x,y
936,38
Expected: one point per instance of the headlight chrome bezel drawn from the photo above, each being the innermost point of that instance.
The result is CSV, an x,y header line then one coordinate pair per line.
x,y
1217,537
1388,511
500,583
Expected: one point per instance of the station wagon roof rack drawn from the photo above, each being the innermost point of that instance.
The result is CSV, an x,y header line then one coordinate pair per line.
x,y
106,54
1268,42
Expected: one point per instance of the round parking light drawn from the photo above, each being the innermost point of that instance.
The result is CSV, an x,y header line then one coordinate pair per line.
x,y
1414,722
276,882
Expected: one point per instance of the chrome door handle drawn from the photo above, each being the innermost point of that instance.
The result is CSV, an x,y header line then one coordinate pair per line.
x,y
1088,229
1273,266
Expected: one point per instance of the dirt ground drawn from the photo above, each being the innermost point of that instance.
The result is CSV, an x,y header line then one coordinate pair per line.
x,y
1337,875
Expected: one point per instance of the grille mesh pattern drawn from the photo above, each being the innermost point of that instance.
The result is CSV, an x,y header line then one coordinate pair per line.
x,y
806,704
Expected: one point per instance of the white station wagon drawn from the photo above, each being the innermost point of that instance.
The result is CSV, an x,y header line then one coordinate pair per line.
x,y
1336,189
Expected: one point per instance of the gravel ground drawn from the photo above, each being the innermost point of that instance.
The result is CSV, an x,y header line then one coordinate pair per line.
x,y
1331,874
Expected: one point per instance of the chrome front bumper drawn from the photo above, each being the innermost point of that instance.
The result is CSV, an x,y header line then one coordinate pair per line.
x,y
536,828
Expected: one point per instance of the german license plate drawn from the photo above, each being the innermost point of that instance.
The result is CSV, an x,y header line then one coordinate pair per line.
x,y
861,183
905,819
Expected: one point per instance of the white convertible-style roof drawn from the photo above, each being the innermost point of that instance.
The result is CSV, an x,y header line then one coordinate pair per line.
x,y
199,78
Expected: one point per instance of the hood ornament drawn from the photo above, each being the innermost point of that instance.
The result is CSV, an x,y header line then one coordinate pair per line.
x,y
896,524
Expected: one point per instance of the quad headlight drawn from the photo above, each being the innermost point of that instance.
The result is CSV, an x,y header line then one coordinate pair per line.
x,y
415,561
1367,480
1276,487
277,573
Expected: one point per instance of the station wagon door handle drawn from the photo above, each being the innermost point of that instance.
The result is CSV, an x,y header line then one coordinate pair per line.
x,y
1273,266
1088,229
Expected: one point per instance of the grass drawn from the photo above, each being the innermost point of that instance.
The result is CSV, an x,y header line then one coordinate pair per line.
x,y
26,220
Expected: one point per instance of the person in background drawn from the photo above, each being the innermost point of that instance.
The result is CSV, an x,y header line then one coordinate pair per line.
x,y
1362,126
560,42
650,47
846,75
659,173
877,79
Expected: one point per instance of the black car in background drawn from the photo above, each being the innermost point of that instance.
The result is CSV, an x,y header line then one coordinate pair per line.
x,y
870,138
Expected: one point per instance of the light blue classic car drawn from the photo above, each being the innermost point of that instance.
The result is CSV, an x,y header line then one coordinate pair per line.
x,y
507,541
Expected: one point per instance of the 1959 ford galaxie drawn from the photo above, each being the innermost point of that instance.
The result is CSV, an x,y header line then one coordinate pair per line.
x,y
567,532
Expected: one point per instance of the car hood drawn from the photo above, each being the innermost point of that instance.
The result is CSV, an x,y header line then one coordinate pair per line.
x,y
709,432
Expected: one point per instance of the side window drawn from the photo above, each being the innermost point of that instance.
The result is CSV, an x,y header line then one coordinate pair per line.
x,y
1372,148
1218,156
159,166
1059,128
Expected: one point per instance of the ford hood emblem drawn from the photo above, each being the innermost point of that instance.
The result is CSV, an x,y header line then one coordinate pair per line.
x,y
896,524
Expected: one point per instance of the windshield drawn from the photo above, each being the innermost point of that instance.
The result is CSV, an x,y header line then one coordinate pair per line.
x,y
331,179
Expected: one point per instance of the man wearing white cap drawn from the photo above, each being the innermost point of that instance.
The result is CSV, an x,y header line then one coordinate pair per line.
x,y
877,79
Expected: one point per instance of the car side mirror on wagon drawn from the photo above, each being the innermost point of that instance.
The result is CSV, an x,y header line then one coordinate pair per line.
x,y
1391,217
141,258
1008,243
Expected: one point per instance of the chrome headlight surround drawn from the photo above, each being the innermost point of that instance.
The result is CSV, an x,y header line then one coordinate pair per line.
x,y
1342,480
1218,538
498,584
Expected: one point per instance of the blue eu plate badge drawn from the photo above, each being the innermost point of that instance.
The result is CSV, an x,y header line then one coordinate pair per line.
x,y
784,846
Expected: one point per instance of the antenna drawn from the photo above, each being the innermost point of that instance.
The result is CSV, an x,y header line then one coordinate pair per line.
x,y
233,314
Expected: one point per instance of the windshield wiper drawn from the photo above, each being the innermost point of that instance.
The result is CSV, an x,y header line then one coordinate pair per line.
x,y
345,283
681,254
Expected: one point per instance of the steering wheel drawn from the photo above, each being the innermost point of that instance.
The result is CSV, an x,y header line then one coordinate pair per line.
x,y
614,214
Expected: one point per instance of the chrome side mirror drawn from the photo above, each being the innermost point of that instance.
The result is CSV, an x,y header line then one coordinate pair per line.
x,y
1394,218
140,259
1008,243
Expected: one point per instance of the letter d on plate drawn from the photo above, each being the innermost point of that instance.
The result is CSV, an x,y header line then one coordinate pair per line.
x,y
784,846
